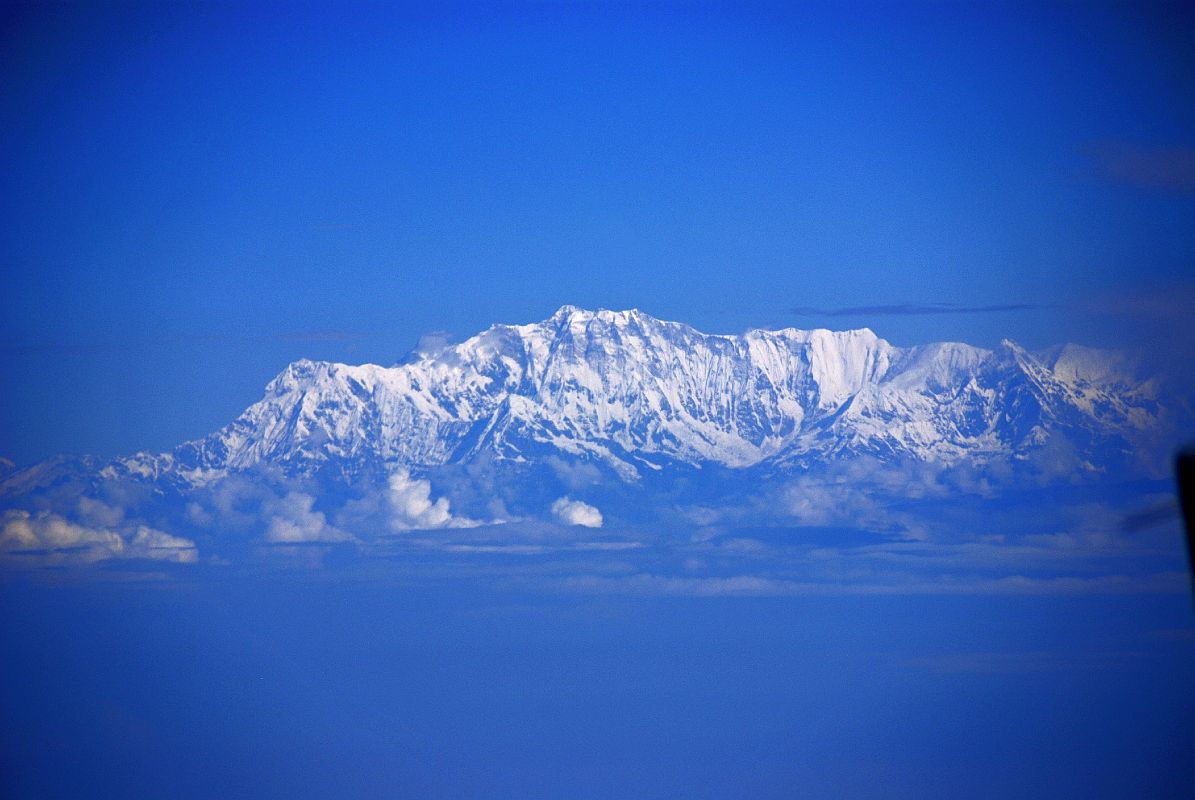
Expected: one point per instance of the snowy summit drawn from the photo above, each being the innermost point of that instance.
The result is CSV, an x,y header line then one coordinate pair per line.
x,y
633,393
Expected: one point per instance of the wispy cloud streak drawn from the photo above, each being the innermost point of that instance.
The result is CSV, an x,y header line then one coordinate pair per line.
x,y
1162,169
910,309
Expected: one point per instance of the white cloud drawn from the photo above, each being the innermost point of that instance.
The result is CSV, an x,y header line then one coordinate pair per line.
x,y
411,507
403,504
575,512
46,537
293,520
151,543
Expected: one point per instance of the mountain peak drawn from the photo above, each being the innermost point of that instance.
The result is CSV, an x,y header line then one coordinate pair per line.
x,y
566,310
624,389
605,314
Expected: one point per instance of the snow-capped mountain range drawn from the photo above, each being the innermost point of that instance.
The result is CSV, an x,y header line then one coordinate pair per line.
x,y
596,417
637,394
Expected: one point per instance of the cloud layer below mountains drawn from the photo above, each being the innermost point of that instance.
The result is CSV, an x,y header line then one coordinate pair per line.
x,y
859,527
47,538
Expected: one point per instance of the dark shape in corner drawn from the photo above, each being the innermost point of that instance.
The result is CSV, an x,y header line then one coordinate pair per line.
x,y
1185,469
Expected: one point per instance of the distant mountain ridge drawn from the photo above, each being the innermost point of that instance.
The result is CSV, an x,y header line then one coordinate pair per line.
x,y
637,394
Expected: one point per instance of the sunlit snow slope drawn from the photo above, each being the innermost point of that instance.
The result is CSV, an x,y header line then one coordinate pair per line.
x,y
635,393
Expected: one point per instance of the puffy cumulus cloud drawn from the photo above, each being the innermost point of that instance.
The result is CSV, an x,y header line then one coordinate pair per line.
x,y
409,501
404,503
575,512
46,537
478,486
291,519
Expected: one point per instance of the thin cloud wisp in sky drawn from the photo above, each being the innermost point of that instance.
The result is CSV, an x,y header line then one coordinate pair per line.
x,y
910,309
1161,169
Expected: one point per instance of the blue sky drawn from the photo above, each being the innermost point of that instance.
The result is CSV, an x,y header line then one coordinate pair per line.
x,y
194,197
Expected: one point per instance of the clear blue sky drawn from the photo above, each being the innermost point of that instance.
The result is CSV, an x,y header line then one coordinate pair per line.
x,y
193,197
